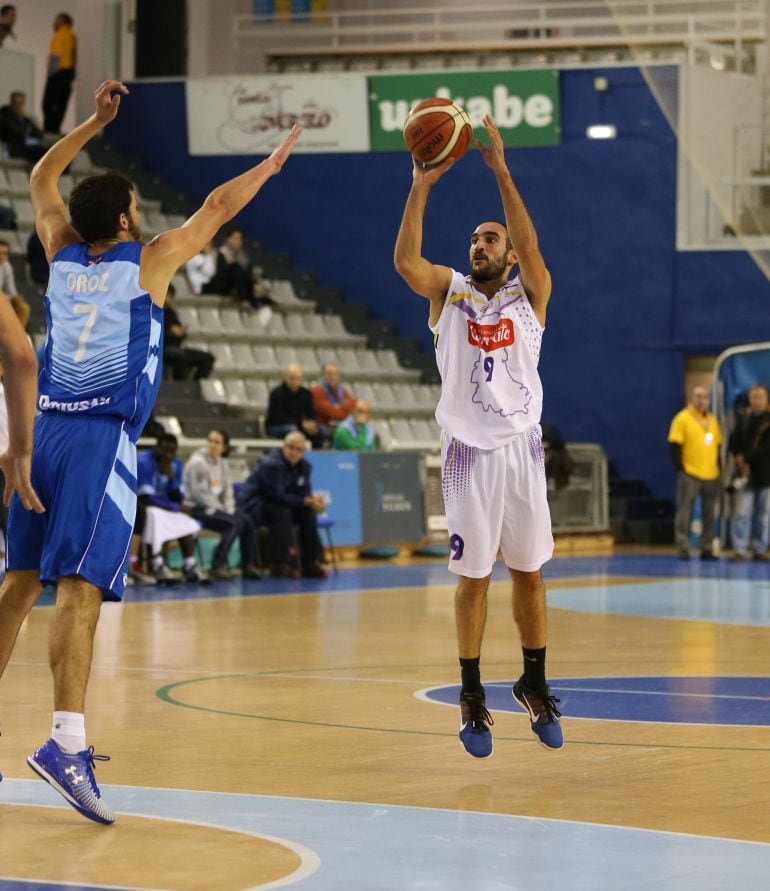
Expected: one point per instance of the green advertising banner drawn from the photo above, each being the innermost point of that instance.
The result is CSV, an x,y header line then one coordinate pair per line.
x,y
523,104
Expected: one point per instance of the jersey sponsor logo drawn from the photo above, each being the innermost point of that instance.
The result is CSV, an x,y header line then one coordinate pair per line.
x,y
45,403
491,337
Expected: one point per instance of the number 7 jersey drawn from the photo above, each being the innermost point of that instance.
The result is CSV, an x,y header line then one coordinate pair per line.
x,y
103,344
487,353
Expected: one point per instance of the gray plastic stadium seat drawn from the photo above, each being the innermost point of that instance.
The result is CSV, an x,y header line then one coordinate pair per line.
x,y
264,359
213,390
236,392
258,392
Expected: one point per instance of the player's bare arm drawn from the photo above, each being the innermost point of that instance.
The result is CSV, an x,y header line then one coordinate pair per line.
x,y
166,253
533,272
51,223
20,383
422,276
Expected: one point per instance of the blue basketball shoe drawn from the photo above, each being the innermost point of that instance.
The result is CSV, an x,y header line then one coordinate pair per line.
x,y
475,734
543,714
73,777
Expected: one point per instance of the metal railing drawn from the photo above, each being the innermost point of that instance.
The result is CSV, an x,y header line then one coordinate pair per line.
x,y
581,506
447,27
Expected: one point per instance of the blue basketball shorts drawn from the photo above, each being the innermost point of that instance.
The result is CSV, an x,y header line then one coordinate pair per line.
x,y
84,472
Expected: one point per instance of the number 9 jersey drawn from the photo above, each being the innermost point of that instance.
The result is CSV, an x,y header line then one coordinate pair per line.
x,y
103,347
487,353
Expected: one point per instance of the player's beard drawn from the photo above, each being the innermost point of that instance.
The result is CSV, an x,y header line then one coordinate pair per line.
x,y
489,271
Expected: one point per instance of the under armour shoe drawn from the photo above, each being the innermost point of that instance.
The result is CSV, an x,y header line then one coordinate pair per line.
x,y
73,777
475,734
543,713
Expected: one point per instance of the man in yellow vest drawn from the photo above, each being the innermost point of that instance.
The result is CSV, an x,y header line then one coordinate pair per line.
x,y
62,55
693,443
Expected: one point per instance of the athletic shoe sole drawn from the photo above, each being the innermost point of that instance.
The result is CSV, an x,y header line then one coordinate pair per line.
x,y
43,774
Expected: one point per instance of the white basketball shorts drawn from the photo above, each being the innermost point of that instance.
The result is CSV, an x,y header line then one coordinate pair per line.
x,y
495,499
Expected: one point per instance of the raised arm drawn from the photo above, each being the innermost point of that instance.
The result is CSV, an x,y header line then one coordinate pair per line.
x,y
422,276
170,250
20,382
53,227
533,272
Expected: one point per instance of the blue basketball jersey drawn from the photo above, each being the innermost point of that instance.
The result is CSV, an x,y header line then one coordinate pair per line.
x,y
102,350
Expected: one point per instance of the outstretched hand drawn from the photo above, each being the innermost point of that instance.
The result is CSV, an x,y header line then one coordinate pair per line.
x,y
429,175
107,104
283,149
493,154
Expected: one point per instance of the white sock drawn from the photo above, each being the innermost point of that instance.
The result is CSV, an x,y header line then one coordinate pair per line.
x,y
157,562
189,563
69,731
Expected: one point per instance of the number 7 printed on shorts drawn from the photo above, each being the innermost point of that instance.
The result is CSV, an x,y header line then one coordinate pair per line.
x,y
91,309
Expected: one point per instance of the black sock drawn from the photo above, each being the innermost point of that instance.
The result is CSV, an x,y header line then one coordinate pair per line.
x,y
471,675
534,668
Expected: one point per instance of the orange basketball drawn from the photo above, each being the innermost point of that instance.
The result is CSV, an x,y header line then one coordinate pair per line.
x,y
437,129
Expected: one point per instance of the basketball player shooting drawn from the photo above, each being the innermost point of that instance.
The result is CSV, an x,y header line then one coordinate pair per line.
x,y
487,329
97,385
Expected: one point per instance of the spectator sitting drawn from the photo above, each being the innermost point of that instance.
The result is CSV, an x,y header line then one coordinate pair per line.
x,y
356,431
185,363
332,402
290,407
38,264
8,285
7,21
208,487
277,494
201,269
159,480
18,131
233,275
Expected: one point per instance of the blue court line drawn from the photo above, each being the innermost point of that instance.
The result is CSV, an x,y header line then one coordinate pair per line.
x,y
371,847
730,701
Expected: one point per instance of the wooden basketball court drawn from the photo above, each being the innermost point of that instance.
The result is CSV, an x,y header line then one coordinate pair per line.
x,y
277,733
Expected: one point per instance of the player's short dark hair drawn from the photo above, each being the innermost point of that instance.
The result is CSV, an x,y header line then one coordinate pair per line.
x,y
96,203
166,437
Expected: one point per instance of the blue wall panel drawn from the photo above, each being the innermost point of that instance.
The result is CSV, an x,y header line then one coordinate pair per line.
x,y
626,307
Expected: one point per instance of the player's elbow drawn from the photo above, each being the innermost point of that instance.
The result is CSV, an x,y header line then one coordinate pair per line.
x,y
217,207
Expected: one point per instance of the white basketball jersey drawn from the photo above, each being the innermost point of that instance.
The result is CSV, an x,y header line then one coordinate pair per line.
x,y
487,353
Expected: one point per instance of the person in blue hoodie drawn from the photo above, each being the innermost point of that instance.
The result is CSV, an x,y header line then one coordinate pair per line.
x,y
278,494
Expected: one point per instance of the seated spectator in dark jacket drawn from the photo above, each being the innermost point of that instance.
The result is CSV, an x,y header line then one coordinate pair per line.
x,y
185,363
356,431
209,489
331,401
159,487
18,132
278,494
39,269
290,407
232,274
7,21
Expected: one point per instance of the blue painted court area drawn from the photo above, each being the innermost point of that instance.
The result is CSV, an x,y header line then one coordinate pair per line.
x,y
375,847
728,701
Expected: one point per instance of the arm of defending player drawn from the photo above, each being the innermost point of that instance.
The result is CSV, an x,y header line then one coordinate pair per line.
x,y
533,272
20,380
422,276
170,250
53,227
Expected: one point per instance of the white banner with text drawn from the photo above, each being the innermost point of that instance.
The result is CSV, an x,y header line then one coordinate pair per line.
x,y
251,115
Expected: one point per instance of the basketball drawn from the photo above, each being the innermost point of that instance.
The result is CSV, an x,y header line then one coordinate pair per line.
x,y
437,129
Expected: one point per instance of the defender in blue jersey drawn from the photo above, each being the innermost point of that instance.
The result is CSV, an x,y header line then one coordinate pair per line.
x,y
97,386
